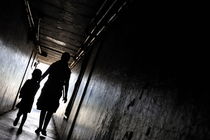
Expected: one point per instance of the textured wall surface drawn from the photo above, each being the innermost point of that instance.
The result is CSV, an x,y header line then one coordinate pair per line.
x,y
15,52
149,82
146,84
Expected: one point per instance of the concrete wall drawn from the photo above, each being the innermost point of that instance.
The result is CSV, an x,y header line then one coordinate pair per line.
x,y
15,51
148,82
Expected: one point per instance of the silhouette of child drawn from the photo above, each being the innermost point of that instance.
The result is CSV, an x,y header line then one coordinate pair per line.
x,y
27,94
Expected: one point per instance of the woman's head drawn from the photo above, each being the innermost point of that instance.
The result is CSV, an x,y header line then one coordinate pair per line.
x,y
65,57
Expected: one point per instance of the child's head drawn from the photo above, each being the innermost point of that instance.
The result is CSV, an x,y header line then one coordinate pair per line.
x,y
37,73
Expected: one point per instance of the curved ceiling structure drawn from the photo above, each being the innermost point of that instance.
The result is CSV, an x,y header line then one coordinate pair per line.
x,y
69,25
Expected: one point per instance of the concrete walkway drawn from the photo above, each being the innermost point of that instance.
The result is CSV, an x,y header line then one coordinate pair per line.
x,y
9,132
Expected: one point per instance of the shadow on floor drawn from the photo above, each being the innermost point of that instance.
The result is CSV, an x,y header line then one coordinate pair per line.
x,y
9,132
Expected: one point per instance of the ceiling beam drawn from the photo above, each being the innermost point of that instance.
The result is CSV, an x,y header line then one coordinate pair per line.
x,y
63,27
54,45
61,36
69,8
75,26
47,46
44,36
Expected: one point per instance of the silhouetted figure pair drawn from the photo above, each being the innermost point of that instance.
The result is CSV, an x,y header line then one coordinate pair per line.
x,y
58,81
27,94
48,102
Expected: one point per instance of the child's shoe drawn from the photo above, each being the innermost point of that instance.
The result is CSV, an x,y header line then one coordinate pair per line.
x,y
15,122
38,130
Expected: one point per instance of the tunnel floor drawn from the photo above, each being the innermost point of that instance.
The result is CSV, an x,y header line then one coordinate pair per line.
x,y
9,132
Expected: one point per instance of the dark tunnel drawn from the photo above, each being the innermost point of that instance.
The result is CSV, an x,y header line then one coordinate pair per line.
x,y
139,70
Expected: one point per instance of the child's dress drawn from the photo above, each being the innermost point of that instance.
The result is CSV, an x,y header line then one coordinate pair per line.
x,y
27,93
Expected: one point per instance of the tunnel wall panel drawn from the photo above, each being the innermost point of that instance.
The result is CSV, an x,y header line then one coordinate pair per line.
x,y
146,84
15,52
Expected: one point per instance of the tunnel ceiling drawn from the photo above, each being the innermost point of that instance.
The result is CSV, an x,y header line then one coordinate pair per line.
x,y
62,25
66,25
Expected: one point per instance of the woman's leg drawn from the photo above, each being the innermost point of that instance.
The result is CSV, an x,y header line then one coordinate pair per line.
x,y
41,120
46,122
42,117
23,120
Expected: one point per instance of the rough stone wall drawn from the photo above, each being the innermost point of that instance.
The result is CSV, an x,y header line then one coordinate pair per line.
x,y
15,51
146,85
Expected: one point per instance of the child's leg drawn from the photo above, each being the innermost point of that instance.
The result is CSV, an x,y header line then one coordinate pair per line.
x,y
23,120
22,123
18,117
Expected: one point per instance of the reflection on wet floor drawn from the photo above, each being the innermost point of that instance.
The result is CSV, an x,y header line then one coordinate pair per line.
x,y
9,132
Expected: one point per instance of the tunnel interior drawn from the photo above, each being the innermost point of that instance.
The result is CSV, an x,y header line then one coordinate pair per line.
x,y
139,70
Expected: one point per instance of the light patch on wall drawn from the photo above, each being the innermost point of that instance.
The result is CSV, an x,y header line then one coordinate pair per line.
x,y
56,41
84,122
8,55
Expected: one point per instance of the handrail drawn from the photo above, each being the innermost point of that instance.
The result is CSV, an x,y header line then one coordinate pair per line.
x,y
101,24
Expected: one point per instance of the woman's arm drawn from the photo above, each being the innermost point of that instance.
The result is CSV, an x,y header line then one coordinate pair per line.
x,y
66,87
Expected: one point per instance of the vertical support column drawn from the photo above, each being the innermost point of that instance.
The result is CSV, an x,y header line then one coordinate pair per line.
x,y
85,89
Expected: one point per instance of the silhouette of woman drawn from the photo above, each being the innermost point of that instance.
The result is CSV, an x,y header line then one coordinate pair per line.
x,y
27,94
48,102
